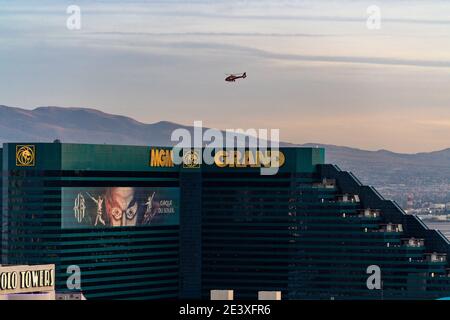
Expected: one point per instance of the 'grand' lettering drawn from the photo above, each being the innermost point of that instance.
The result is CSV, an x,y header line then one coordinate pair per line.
x,y
254,159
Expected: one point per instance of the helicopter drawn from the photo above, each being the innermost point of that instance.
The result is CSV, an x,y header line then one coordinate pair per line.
x,y
234,77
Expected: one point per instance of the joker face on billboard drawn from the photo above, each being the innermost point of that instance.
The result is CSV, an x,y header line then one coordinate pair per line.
x,y
119,207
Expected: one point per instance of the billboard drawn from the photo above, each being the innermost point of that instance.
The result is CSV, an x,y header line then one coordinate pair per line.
x,y
99,207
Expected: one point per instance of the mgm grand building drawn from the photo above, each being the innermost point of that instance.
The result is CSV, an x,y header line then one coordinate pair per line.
x,y
125,222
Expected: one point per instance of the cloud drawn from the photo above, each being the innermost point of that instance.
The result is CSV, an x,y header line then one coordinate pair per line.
x,y
435,123
314,18
314,58
216,34
216,47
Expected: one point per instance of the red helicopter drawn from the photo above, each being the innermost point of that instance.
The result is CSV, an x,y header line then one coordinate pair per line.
x,y
234,77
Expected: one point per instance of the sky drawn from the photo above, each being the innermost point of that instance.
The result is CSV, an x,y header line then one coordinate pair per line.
x,y
315,70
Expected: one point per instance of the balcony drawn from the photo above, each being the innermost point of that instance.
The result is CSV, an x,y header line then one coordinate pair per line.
x,y
326,184
348,198
413,242
435,257
369,213
391,227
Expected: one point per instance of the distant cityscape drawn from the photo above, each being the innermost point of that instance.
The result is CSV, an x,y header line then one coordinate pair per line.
x,y
423,200
427,197
419,183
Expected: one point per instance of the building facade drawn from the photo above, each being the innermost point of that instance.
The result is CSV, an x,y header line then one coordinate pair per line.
x,y
137,226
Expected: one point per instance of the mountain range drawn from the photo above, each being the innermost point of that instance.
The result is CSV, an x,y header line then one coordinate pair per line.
x,y
383,169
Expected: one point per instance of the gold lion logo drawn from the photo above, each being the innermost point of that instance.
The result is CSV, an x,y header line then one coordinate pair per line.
x,y
191,160
25,156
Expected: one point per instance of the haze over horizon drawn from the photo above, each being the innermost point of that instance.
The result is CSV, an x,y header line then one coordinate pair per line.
x,y
54,121
314,69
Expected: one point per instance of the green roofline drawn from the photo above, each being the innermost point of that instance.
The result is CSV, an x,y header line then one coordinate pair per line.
x,y
74,156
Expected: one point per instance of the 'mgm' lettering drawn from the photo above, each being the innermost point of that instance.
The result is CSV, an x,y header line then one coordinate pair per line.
x,y
161,158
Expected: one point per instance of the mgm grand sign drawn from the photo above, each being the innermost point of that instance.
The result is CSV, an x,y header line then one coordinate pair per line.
x,y
221,158
27,279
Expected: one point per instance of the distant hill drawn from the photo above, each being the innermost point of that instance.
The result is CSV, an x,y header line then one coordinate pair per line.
x,y
418,172
79,125
372,164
